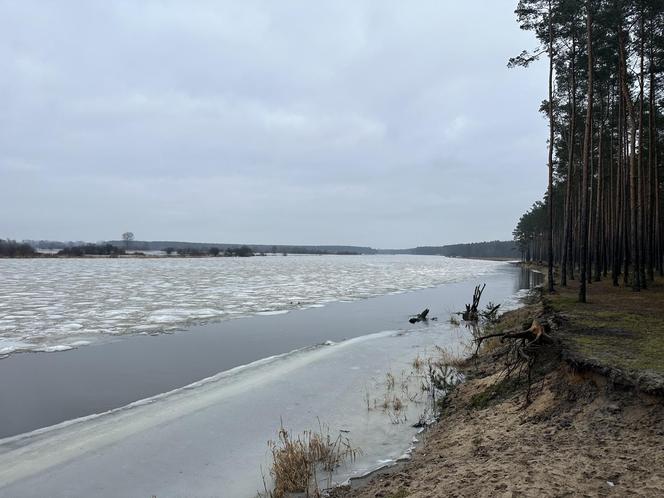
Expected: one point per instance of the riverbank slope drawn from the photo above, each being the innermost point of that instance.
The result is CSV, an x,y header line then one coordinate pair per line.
x,y
594,426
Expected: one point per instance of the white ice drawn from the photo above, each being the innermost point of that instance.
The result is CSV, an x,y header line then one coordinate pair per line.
x,y
210,439
54,303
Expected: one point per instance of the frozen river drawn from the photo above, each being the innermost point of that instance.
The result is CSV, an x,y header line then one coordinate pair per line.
x,y
56,304
232,382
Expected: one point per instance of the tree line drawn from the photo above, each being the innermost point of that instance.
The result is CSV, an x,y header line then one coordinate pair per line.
x,y
241,251
12,249
489,249
601,214
91,250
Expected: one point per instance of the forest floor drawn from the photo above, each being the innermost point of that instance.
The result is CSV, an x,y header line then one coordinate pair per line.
x,y
594,426
616,327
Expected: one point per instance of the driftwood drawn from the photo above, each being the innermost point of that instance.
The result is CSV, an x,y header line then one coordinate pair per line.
x,y
471,314
422,317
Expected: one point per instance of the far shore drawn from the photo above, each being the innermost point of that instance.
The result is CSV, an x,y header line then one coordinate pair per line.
x,y
140,255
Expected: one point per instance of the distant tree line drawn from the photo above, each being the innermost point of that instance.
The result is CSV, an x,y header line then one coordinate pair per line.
x,y
502,249
492,249
91,250
53,244
601,216
244,251
312,250
241,251
203,247
12,249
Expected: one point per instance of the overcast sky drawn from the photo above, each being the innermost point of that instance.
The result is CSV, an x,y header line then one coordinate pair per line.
x,y
384,123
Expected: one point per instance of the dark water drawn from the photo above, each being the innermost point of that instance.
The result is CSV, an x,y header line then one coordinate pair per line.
x,y
529,279
42,389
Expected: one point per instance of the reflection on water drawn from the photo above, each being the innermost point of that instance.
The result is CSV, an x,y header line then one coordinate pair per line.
x,y
529,279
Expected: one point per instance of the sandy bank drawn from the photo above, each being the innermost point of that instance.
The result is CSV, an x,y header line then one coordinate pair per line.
x,y
582,435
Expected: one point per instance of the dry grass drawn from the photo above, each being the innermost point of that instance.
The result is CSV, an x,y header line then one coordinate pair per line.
x,y
431,376
297,460
418,364
390,381
446,357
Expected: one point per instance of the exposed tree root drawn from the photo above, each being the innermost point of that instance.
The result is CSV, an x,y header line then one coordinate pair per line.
x,y
521,351
471,314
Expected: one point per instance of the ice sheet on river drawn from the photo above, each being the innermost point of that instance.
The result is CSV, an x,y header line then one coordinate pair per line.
x,y
55,304
210,439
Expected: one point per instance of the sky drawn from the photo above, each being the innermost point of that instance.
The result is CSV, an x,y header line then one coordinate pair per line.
x,y
388,124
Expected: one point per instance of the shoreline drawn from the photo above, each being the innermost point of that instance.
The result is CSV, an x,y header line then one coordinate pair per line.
x,y
485,434
139,255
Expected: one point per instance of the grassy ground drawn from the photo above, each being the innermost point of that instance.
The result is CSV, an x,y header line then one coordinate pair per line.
x,y
617,327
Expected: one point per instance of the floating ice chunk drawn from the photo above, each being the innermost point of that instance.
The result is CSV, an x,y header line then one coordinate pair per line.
x,y
8,346
72,326
79,343
53,349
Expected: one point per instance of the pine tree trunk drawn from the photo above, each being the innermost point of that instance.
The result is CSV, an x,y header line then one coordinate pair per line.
x,y
642,178
550,200
599,198
567,259
583,257
633,173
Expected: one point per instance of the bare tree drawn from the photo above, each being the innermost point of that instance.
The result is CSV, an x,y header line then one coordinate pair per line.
x,y
128,238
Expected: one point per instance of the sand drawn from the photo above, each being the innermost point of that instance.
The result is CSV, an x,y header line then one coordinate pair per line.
x,y
579,437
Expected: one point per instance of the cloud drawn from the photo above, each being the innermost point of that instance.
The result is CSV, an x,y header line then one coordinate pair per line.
x,y
385,124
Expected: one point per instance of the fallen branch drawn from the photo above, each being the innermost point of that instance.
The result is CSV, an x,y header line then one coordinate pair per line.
x,y
422,317
535,333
